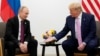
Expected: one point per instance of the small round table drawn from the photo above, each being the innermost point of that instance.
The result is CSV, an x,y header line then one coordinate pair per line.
x,y
56,44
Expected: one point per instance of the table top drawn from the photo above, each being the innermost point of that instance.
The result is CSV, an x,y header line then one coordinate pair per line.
x,y
50,44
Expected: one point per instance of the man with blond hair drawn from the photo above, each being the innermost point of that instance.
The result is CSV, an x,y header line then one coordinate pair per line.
x,y
18,34
83,32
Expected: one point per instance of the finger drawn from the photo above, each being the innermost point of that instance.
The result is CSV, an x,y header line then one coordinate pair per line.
x,y
23,50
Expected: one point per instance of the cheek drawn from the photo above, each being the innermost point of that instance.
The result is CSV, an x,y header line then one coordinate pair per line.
x,y
25,16
73,14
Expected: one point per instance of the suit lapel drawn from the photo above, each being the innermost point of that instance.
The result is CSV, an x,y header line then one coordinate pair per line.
x,y
83,22
25,25
73,25
16,25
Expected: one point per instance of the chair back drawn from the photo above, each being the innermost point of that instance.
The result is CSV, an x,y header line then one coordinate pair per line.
x,y
2,29
98,28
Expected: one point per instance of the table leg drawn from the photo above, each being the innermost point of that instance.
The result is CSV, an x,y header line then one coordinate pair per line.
x,y
43,51
57,50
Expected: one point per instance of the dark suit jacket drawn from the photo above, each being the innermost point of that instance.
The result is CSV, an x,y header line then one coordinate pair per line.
x,y
88,28
12,30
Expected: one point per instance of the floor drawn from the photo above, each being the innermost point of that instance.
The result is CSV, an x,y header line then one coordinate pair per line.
x,y
76,54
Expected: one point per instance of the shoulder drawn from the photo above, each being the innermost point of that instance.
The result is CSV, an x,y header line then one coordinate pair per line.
x,y
12,19
88,15
69,18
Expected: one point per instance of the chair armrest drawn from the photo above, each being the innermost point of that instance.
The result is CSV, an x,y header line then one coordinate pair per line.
x,y
68,36
33,37
98,41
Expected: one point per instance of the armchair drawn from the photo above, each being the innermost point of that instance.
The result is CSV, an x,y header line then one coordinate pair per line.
x,y
3,51
98,35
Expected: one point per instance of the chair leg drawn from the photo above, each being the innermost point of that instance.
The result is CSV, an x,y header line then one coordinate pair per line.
x,y
99,53
1,49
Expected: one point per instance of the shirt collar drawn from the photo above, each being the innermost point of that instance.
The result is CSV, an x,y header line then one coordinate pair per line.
x,y
19,18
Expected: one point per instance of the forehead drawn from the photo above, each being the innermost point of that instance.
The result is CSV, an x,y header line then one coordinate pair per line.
x,y
73,9
25,10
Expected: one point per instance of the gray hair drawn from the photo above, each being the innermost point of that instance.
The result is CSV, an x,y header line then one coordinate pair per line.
x,y
21,8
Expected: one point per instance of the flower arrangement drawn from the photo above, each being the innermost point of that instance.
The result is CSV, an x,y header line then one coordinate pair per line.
x,y
49,33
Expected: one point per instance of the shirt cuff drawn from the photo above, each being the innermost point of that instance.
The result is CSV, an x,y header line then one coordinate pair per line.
x,y
54,38
84,43
25,42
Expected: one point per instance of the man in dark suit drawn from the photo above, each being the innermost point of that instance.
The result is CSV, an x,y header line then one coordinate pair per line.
x,y
83,32
18,34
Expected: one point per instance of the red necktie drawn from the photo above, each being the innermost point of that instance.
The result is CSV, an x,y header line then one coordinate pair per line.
x,y
22,32
78,32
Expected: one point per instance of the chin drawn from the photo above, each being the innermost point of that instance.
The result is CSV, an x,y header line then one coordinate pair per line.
x,y
74,16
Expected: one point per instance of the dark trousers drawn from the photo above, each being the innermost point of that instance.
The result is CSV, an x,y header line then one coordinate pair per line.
x,y
32,48
71,45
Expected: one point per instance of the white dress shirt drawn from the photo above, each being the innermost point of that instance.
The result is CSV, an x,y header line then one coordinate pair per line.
x,y
19,33
79,19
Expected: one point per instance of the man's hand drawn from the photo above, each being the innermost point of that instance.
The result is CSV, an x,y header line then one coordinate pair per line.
x,y
23,47
50,39
81,47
